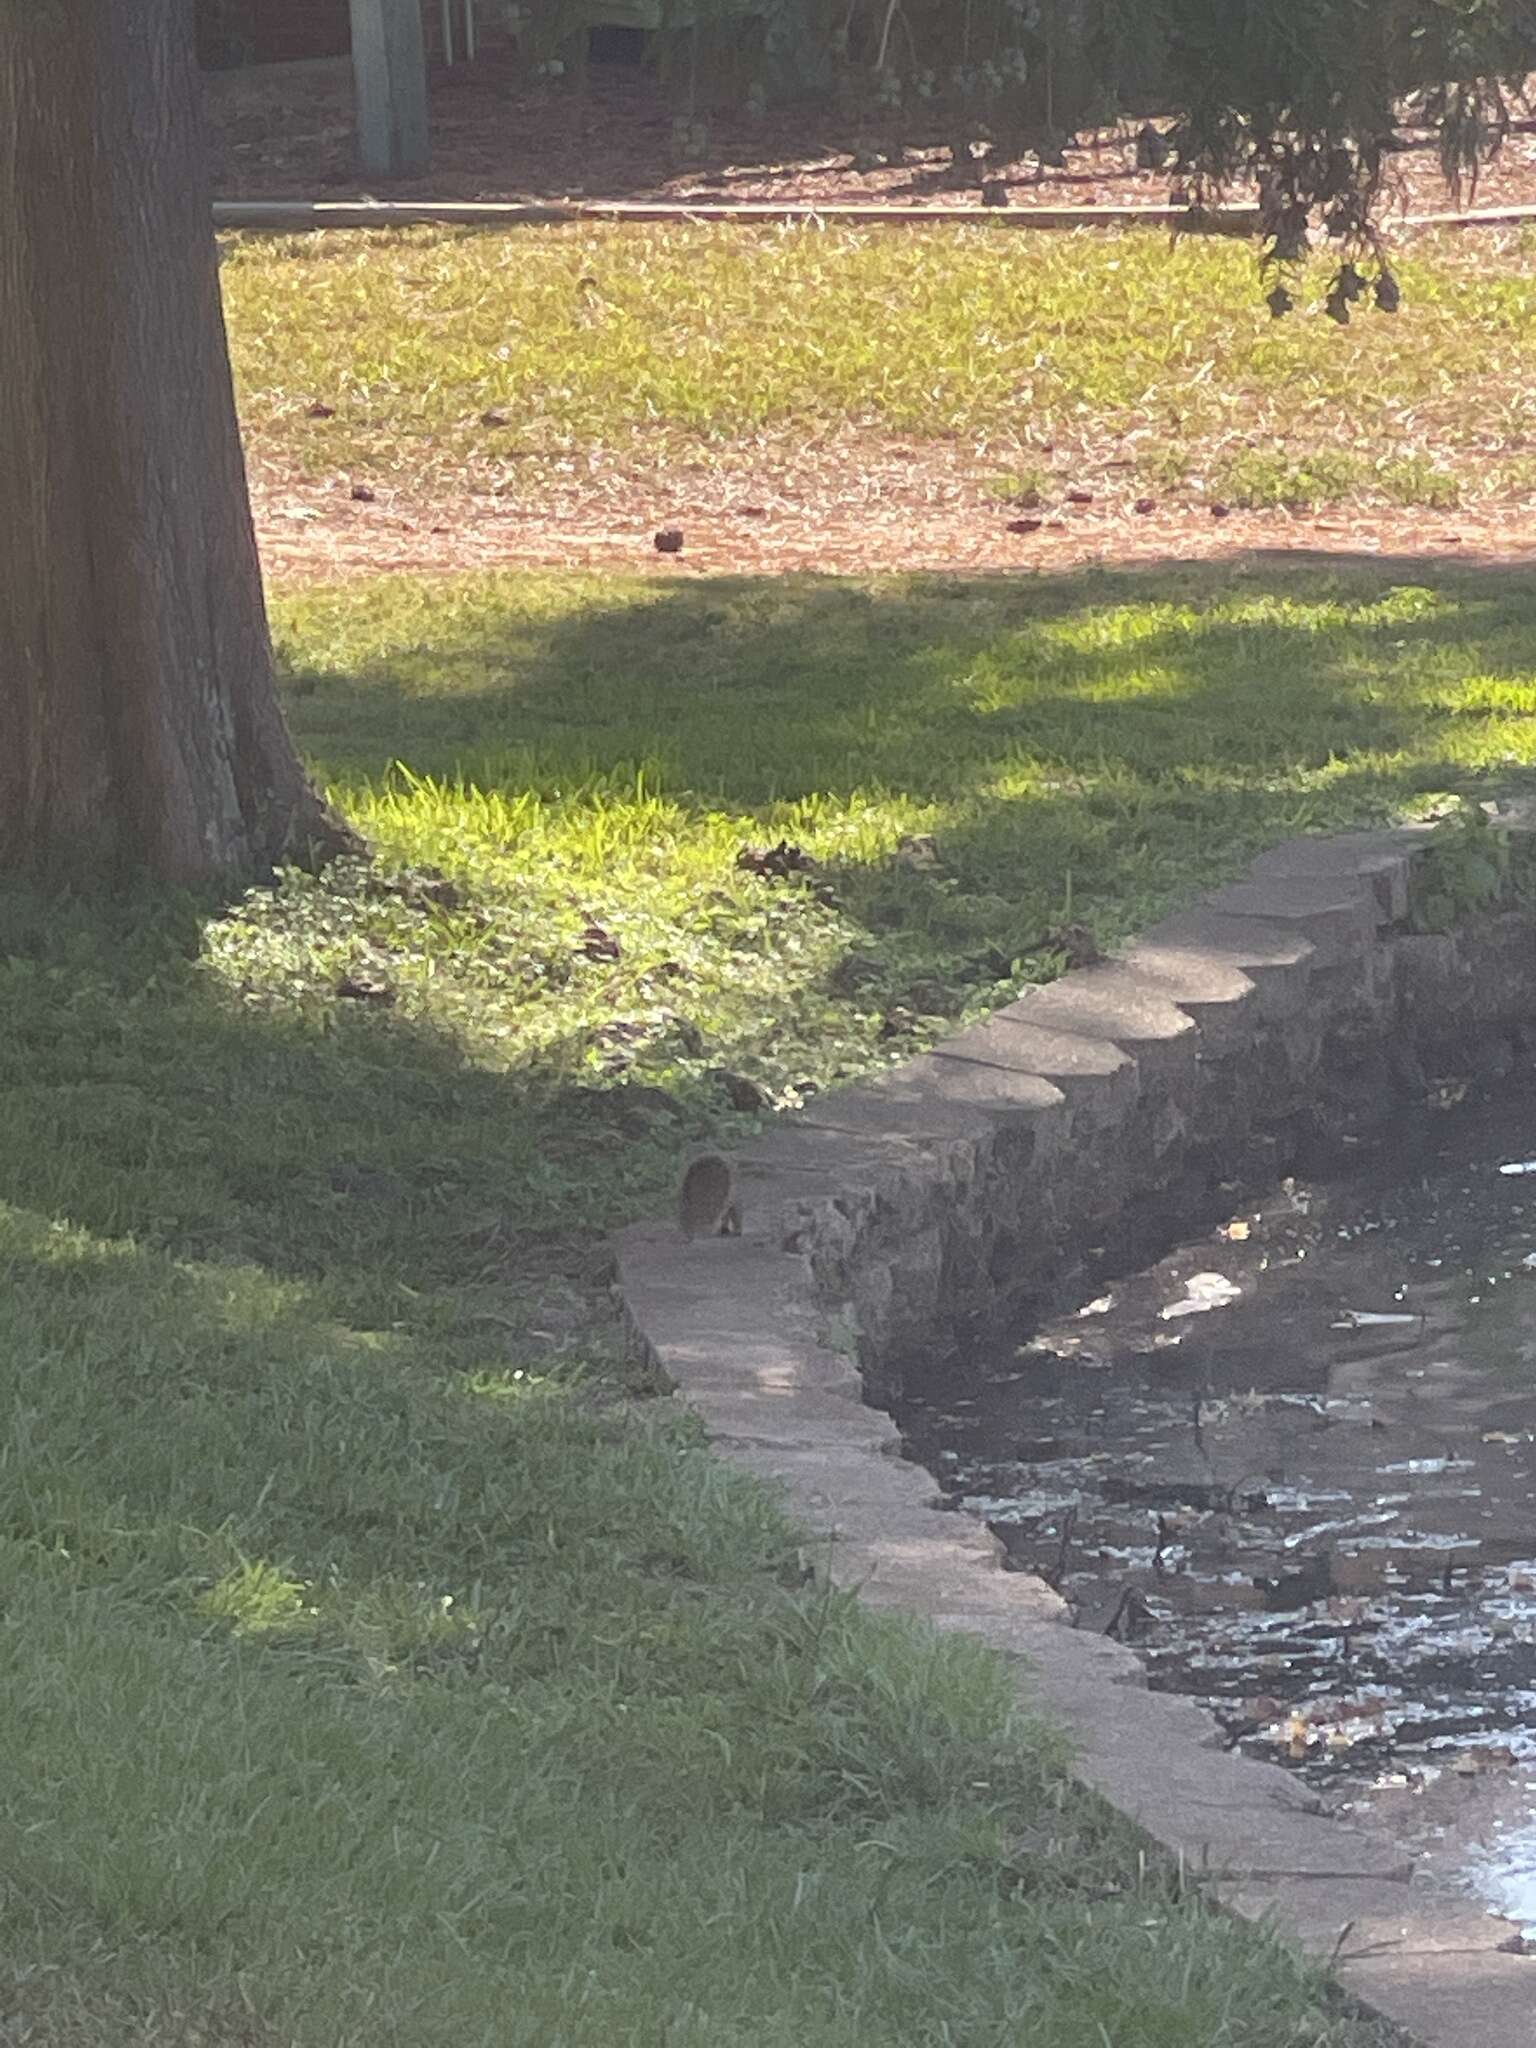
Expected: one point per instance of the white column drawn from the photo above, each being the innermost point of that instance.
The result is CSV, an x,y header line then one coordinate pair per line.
x,y
389,64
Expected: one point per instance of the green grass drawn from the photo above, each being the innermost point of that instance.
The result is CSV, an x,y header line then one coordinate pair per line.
x,y
593,756
675,346
348,1702
1258,478
377,1674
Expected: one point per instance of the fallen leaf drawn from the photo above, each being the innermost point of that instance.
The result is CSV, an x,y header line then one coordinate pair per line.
x,y
917,850
362,988
777,863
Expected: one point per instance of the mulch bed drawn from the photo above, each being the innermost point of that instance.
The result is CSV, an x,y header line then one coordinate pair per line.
x,y
287,133
911,518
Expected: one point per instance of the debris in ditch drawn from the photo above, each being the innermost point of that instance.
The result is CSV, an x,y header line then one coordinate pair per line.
x,y
1423,1468
1218,1494
1373,1319
1202,1292
1132,1613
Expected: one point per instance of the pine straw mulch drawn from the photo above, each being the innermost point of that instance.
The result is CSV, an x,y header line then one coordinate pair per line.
x,y
283,134
836,511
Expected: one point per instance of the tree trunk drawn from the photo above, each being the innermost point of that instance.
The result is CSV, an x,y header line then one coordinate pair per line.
x,y
139,721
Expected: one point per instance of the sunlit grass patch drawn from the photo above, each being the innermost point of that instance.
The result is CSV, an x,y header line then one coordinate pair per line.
x,y
502,364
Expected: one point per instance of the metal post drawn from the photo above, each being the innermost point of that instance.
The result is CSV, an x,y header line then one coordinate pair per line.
x,y
389,65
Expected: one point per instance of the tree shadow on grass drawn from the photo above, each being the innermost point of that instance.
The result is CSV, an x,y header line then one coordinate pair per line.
x,y
1083,746
354,1151
316,1203
1097,745
748,691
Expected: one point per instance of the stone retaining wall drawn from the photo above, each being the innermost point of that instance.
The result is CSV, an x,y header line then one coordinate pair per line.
x,y
953,1195
1232,1044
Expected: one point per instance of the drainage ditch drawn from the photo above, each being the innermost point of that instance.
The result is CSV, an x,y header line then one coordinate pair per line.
x,y
1293,1463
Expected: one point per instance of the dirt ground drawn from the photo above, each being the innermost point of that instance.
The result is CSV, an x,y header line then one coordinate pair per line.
x,y
286,132
846,506
316,537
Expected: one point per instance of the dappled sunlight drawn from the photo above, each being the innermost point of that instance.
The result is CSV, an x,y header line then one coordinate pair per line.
x,y
211,1437
352,1601
557,916
322,1643
585,760
346,1120
344,1117
717,693
517,1384
256,1599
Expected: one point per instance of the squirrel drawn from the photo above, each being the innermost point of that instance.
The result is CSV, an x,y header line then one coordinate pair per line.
x,y
707,1204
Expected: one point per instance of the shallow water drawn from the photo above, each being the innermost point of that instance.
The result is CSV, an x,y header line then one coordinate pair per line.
x,y
1295,1465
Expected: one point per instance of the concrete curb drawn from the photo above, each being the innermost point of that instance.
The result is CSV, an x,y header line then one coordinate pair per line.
x,y
296,216
299,215
992,1158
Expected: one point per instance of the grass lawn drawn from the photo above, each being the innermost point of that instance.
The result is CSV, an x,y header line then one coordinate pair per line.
x,y
377,1673
1038,359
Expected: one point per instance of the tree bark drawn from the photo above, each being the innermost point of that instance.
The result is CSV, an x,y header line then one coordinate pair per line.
x,y
139,722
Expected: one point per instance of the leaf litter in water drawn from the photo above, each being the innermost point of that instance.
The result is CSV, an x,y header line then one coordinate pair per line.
x,y
1203,1291
1231,1487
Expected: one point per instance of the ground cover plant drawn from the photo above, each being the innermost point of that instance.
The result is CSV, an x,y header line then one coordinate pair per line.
x,y
388,1668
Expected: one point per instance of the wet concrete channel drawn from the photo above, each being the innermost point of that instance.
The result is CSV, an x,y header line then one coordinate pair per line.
x,y
1294,1465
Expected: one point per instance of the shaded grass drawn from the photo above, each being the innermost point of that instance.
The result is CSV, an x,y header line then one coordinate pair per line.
x,y
673,345
376,1674
352,1698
